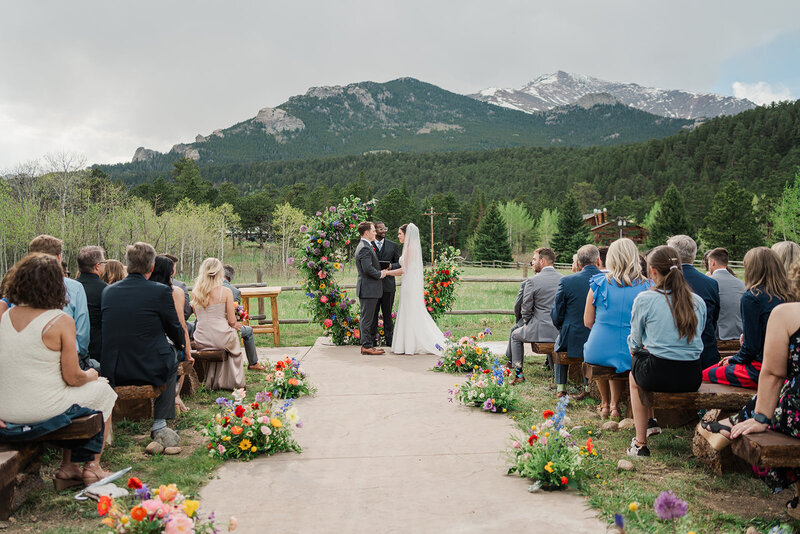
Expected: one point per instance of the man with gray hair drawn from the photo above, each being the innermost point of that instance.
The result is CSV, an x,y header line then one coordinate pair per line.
x,y
706,288
92,265
137,318
567,315
247,331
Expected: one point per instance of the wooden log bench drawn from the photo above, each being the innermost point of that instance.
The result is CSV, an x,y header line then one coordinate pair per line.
x,y
203,357
135,403
191,382
679,409
768,449
594,372
20,462
727,345
574,372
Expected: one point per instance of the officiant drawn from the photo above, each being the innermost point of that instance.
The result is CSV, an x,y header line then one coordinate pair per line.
x,y
389,255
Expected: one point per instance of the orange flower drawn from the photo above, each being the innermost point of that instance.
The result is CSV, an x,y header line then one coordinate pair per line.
x,y
236,430
138,513
547,414
134,483
103,505
293,381
458,352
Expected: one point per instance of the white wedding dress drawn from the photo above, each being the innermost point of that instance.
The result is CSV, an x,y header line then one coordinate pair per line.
x,y
415,332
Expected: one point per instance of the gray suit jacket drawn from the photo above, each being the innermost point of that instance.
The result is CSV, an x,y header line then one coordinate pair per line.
x,y
537,301
369,284
518,304
729,324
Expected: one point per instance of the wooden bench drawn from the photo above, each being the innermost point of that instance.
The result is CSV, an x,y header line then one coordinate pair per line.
x,y
679,409
600,372
191,382
204,357
728,345
135,402
20,462
768,449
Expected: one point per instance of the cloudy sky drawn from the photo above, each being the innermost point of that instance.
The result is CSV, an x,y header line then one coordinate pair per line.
x,y
101,78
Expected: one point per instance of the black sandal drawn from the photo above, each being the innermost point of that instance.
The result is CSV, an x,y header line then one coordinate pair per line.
x,y
792,509
710,430
714,426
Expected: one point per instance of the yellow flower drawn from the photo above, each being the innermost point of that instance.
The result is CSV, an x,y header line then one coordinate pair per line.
x,y
604,483
474,366
124,519
226,438
245,444
276,422
547,434
633,506
253,448
319,240
597,476
548,468
590,432
322,286
336,265
190,507
504,410
478,351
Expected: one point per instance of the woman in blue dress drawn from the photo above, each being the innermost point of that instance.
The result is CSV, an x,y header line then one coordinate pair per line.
x,y
608,314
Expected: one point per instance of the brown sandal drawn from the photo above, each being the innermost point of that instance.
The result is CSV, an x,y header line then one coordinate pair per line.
x,y
92,472
614,414
602,411
62,480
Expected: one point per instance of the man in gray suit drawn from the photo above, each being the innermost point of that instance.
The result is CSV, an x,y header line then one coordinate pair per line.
x,y
729,324
369,286
537,300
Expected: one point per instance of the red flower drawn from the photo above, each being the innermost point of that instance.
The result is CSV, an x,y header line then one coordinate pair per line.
x,y
280,366
103,505
227,420
239,411
458,363
564,480
547,414
447,271
487,371
254,406
589,446
533,438
134,483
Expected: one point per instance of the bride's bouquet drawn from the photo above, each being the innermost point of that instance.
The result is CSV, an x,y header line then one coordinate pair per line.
x,y
464,355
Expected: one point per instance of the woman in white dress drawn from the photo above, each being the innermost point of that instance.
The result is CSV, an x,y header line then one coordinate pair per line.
x,y
416,331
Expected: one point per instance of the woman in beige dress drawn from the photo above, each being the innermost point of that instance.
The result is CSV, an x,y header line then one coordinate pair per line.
x,y
39,373
217,326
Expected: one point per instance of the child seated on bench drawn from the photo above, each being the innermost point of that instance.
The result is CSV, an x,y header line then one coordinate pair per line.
x,y
666,326
39,373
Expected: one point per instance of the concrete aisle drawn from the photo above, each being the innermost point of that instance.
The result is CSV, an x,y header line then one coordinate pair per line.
x,y
384,451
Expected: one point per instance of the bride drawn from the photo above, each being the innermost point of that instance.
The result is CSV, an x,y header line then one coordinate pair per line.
x,y
415,331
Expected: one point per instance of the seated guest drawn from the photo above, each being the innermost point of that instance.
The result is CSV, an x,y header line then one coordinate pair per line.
x,y
114,272
246,331
537,299
729,325
519,323
665,341
91,264
767,286
4,304
187,305
788,252
137,318
777,402
603,255
608,314
39,373
217,326
567,314
704,286
162,273
76,296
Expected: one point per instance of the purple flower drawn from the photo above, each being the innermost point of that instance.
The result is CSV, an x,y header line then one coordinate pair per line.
x,y
222,400
487,331
488,405
448,334
319,213
332,209
142,493
290,260
326,243
303,228
669,507
619,522
311,265
438,347
315,251
322,234
343,305
262,396
439,363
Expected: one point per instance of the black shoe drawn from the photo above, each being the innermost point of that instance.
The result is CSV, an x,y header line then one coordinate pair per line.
x,y
638,450
652,427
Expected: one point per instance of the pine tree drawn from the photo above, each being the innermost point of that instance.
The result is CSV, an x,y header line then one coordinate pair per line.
x,y
731,223
491,238
670,220
394,210
572,232
477,212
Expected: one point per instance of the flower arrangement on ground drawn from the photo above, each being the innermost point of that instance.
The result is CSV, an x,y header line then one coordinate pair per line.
x,y
164,509
287,380
463,355
245,430
487,388
323,251
441,283
550,456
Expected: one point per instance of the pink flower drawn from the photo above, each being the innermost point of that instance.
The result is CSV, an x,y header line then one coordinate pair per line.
x,y
178,523
323,299
232,524
221,449
322,275
324,258
328,323
517,444
156,508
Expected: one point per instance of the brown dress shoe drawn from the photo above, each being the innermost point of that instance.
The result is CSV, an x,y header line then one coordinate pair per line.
x,y
372,351
517,380
560,394
257,367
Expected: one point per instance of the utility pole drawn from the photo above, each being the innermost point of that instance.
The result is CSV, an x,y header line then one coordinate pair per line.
x,y
431,213
451,219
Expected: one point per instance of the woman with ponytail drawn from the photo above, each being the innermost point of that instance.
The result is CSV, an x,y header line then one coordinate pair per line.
x,y
666,324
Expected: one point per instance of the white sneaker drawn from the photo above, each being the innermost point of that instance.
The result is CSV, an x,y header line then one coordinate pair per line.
x,y
638,450
652,427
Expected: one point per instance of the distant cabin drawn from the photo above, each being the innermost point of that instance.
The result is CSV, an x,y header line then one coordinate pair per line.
x,y
606,230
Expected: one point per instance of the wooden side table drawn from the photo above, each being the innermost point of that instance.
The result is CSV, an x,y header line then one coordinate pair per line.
x,y
264,292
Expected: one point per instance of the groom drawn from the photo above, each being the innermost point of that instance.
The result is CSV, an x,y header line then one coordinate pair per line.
x,y
369,287
387,251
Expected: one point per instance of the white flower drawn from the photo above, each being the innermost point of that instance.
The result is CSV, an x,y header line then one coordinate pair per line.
x,y
249,434
292,416
278,375
266,430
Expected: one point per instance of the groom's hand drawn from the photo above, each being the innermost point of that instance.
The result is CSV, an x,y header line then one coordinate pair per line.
x,y
383,273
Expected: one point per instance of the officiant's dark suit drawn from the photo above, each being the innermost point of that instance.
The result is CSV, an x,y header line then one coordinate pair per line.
x,y
136,315
387,250
369,289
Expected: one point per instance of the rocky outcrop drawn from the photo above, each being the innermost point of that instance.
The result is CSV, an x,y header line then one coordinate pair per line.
x,y
144,154
439,127
596,99
200,139
218,133
276,121
185,151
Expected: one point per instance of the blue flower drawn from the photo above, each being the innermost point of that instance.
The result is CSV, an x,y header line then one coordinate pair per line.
x,y
438,347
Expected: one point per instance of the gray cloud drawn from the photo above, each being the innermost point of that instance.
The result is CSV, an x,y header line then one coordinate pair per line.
x,y
103,77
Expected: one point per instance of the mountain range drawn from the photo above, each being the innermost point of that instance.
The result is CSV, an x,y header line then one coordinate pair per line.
x,y
407,115
562,88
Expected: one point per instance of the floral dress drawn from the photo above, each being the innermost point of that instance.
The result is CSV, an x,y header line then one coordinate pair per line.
x,y
787,416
